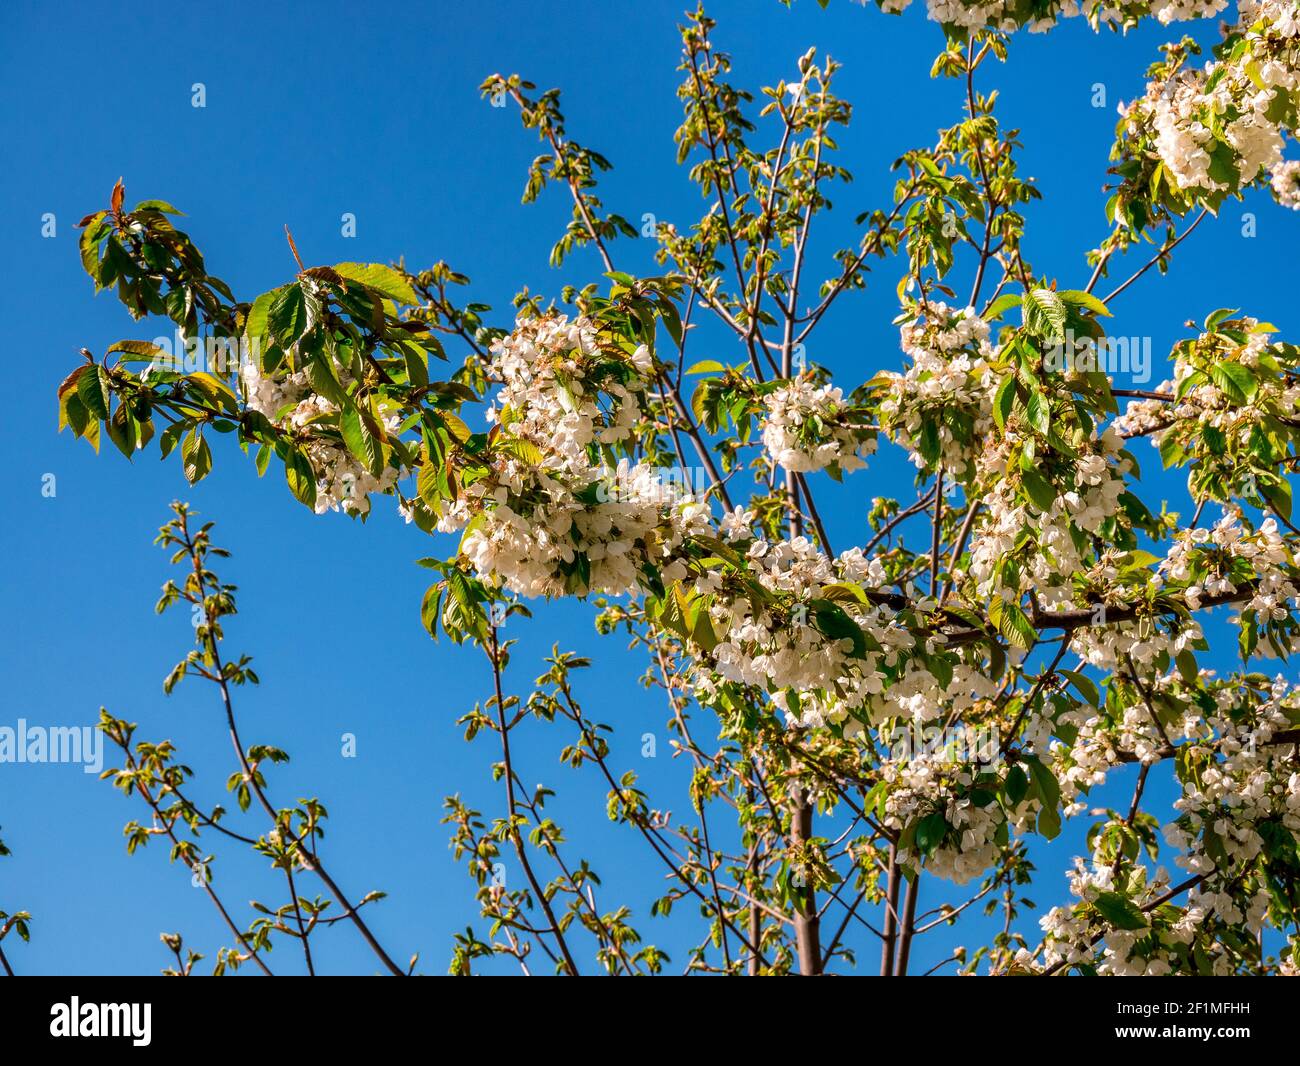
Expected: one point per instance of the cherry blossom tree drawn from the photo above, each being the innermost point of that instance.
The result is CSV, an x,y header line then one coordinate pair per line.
x,y
1032,607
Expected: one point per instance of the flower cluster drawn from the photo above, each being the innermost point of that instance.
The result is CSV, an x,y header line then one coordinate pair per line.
x,y
1219,128
1084,494
1240,801
936,787
288,401
1193,395
1143,642
809,427
1100,741
1215,562
942,406
1009,15
1074,933
564,387
1229,562
1285,182
559,511
1229,413
780,643
1241,793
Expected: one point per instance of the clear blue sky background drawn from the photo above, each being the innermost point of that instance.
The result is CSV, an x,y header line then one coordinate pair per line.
x,y
318,109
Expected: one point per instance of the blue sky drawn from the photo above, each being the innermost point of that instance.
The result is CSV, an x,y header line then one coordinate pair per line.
x,y
324,109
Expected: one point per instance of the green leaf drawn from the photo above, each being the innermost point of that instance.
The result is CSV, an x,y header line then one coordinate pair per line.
x,y
672,320
1049,823
1016,786
417,372
93,390
1040,490
1235,381
144,349
325,382
831,619
455,426
1011,622
123,429
1004,401
72,412
1215,317
428,482
1084,684
197,457
430,608
216,391
1003,303
257,324
158,205
930,832
96,228
300,476
1044,314
1038,411
1049,790
930,444
1172,452
1223,168
383,279
523,450
463,615
1120,911
1277,491
1084,299
287,315
356,435
171,436
841,591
